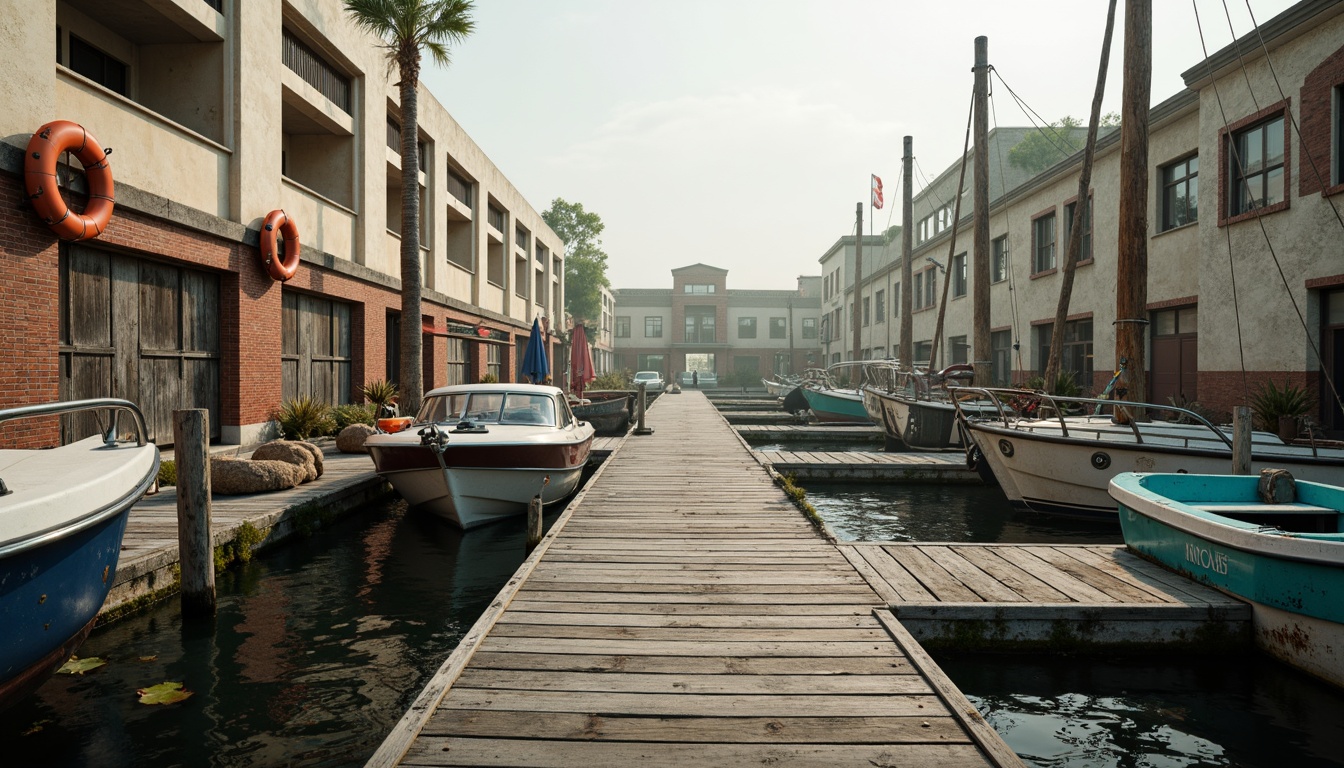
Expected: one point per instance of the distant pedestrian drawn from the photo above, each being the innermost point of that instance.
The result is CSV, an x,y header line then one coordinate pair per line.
x,y
695,379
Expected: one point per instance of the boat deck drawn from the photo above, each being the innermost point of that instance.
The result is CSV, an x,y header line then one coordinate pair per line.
x,y
683,610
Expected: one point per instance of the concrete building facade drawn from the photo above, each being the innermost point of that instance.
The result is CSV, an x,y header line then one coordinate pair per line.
x,y
220,112
1245,257
702,325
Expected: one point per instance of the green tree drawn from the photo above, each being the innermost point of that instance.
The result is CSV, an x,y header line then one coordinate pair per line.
x,y
1043,148
407,28
585,261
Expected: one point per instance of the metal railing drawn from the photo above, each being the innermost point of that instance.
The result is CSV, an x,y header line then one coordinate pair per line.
x,y
315,71
110,433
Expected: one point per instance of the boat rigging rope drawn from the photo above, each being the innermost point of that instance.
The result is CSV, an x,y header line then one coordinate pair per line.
x,y
1259,218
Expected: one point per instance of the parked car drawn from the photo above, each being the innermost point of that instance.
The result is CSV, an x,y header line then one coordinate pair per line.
x,y
708,380
652,381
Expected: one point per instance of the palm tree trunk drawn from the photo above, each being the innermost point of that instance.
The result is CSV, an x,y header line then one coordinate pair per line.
x,y
412,384
1079,211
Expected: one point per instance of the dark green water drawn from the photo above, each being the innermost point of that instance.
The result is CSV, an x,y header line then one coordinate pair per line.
x,y
317,650
1193,712
967,513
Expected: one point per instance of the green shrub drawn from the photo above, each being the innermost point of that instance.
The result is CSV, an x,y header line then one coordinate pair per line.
x,y
1270,402
304,417
613,380
352,413
1065,384
489,378
167,473
380,393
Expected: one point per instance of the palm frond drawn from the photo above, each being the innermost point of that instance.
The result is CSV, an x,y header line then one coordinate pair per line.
x,y
430,25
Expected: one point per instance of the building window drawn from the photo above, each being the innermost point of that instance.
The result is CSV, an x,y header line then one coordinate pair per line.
x,y
747,365
653,327
958,275
1076,355
880,307
1180,193
896,300
918,295
494,360
1084,247
1043,243
622,326
746,327
698,288
998,264
1001,368
700,323
459,361
97,66
867,311
651,363
957,349
926,288
809,327
922,350
1256,167
779,327
783,364
314,70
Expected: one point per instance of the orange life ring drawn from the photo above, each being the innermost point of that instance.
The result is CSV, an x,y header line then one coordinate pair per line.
x,y
39,173
282,223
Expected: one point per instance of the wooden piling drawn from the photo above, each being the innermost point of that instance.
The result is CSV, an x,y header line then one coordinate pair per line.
x,y
191,430
1241,440
643,406
533,523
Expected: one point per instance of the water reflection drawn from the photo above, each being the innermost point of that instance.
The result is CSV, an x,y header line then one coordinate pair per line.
x,y
966,513
1244,710
316,651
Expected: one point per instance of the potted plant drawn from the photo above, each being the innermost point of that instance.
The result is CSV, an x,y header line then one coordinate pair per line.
x,y
1277,409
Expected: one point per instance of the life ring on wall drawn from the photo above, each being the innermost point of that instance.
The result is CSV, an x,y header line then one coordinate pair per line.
x,y
280,223
39,173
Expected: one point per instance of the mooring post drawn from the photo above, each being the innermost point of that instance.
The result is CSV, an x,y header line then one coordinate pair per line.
x,y
191,431
1241,440
533,523
643,406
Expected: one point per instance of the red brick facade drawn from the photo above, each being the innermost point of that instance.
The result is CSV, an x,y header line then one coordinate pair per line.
x,y
1316,106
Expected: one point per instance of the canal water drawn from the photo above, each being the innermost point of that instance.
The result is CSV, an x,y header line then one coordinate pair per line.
x,y
318,648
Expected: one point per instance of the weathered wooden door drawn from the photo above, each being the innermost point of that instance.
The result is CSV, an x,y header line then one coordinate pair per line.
x,y
1175,363
140,330
315,357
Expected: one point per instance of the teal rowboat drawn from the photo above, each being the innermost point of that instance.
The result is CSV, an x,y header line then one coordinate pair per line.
x,y
1286,559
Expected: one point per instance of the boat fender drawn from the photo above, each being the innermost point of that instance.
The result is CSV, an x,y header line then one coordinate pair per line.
x,y
1277,486
40,182
278,226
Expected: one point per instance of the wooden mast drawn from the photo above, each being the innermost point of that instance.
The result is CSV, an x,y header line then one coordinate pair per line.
x,y
907,245
1131,290
981,360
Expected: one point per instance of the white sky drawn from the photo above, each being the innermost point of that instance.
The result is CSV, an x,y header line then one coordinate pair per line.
x,y
741,133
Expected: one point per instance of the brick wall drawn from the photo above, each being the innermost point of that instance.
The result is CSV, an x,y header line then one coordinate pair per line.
x,y
1316,102
29,305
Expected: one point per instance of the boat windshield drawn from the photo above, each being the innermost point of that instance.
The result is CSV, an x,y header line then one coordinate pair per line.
x,y
489,407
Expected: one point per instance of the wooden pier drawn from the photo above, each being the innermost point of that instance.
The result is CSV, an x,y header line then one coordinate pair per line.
x,y
784,433
871,466
683,610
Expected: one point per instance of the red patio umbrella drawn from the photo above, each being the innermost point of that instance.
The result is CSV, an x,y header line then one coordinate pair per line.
x,y
580,361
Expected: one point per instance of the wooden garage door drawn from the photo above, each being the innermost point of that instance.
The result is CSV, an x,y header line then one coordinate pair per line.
x,y
140,330
315,358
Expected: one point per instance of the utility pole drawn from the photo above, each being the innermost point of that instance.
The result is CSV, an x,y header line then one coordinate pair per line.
x,y
982,358
907,245
858,280
1131,294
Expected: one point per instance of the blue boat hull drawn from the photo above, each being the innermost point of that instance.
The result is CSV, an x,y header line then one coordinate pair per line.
x,y
1294,581
830,407
49,598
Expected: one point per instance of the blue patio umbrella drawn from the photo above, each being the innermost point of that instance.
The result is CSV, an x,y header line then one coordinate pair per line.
x,y
535,366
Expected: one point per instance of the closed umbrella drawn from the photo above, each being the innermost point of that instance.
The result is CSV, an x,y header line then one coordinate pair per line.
x,y
535,366
580,362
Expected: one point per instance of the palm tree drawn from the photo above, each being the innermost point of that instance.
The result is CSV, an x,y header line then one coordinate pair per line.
x,y
406,29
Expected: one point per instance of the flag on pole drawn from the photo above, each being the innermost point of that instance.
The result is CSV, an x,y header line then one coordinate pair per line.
x,y
877,191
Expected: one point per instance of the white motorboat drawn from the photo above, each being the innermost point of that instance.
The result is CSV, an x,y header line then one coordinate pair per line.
x,y
477,453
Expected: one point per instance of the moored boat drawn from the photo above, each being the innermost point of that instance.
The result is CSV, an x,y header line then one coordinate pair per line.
x,y
63,513
915,408
608,412
1054,463
1285,558
833,395
477,453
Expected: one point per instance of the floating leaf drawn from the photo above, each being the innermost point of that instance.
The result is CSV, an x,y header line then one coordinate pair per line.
x,y
78,666
35,727
148,658
163,693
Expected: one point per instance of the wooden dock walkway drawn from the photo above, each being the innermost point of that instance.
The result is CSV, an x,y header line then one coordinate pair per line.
x,y
682,611
783,433
875,466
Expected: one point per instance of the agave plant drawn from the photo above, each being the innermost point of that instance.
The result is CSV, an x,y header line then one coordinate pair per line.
x,y
380,393
1271,401
304,417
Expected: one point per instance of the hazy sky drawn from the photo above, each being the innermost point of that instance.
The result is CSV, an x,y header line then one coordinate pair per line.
x,y
741,133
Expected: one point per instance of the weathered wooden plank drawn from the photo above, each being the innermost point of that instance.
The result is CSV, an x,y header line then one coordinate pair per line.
x,y
906,585
687,648
702,665
792,620
683,634
987,587
932,575
754,685
741,730
694,704
671,611
1010,575
1117,588
1073,589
